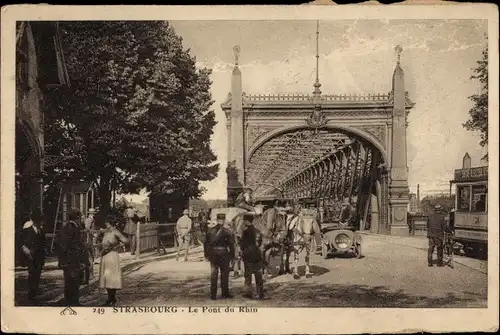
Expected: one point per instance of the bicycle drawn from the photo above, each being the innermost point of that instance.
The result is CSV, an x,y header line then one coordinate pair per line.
x,y
448,249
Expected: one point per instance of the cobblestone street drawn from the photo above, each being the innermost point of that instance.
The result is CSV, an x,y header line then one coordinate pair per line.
x,y
390,275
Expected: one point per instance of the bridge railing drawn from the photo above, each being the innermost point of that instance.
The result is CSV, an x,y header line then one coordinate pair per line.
x,y
307,97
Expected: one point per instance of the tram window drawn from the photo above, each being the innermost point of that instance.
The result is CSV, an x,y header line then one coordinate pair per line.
x,y
463,201
479,198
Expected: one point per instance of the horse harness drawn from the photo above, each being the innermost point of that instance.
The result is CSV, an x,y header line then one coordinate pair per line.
x,y
291,225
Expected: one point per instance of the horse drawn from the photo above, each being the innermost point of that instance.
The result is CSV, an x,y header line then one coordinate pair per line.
x,y
271,225
300,231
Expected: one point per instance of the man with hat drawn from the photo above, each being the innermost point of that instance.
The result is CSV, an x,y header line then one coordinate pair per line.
x,y
73,257
90,225
250,243
219,251
435,233
244,200
130,229
34,250
183,230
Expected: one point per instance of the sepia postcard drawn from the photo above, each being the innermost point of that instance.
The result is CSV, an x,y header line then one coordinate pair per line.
x,y
313,169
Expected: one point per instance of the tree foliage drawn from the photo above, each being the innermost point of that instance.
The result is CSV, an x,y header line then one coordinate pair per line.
x,y
427,204
141,107
478,114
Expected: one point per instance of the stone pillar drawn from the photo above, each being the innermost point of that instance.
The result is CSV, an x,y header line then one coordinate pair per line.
x,y
374,222
236,156
398,187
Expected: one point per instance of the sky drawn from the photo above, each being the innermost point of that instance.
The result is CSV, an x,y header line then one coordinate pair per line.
x,y
356,57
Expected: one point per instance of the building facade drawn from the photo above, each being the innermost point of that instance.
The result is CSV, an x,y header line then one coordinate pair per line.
x,y
40,72
413,205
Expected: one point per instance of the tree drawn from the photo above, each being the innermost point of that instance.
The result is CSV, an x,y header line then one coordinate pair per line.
x,y
140,106
478,120
427,204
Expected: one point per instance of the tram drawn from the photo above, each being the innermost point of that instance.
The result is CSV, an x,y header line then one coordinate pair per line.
x,y
469,220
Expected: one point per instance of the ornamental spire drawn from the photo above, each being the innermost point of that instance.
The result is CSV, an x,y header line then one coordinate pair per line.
x,y
317,85
236,50
399,50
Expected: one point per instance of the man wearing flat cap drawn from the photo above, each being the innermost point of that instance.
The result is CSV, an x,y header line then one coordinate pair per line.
x,y
435,233
183,230
250,243
219,250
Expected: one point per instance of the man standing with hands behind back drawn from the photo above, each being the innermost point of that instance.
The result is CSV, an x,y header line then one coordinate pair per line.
x,y
219,250
435,234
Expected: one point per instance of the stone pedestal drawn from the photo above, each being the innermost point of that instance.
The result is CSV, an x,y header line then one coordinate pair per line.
x,y
398,211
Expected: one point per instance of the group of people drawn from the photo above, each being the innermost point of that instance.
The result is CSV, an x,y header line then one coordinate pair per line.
x,y
219,250
75,257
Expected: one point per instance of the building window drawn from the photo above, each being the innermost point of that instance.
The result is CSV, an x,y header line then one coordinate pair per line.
x,y
463,200
479,198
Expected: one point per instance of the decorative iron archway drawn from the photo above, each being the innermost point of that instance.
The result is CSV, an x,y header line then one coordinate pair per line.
x,y
290,140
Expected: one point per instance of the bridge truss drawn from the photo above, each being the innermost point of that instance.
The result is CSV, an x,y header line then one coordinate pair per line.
x,y
331,148
327,166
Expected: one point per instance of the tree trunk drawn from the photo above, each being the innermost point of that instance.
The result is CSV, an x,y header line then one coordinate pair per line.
x,y
104,197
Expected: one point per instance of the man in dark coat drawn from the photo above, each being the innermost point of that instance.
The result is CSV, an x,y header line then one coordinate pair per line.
x,y
33,249
250,243
219,250
73,257
435,233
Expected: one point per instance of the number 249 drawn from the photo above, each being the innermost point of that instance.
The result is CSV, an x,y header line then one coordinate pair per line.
x,y
98,310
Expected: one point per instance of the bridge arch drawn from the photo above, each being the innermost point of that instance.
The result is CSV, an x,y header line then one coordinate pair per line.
x,y
347,130
355,138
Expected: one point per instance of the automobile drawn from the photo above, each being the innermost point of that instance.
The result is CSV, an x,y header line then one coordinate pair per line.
x,y
338,238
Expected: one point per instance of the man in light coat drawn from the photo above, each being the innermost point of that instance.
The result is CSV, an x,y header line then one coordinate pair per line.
x,y
130,229
183,231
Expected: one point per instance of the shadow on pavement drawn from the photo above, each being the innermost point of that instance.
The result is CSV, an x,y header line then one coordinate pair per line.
x,y
302,293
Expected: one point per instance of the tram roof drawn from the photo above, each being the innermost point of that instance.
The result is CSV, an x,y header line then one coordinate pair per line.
x,y
471,174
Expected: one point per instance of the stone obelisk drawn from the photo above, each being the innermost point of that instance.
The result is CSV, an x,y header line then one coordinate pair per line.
x,y
236,157
398,187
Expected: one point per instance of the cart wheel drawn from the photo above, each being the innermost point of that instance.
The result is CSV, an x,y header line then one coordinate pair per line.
x,y
324,250
358,251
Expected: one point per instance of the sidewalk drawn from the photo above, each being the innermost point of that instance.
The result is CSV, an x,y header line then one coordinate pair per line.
x,y
421,242
52,282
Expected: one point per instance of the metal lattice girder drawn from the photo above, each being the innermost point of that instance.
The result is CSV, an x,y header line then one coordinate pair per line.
x,y
318,179
319,165
275,161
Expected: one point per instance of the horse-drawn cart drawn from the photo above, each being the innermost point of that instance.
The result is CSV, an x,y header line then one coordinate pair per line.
x,y
340,239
